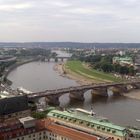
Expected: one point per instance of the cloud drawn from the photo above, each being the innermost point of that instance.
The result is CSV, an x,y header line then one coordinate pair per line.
x,y
58,3
12,7
71,18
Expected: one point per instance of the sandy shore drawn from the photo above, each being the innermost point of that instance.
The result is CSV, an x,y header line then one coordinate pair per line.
x,y
60,68
135,94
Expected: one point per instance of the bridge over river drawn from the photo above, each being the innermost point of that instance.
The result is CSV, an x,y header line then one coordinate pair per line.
x,y
55,59
77,92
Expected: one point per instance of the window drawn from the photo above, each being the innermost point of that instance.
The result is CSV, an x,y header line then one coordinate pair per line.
x,y
9,116
103,128
92,125
108,129
113,131
88,124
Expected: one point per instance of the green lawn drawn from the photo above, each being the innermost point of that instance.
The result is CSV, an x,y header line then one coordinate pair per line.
x,y
78,68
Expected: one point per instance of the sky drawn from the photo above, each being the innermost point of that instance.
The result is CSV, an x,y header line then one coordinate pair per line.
x,y
70,20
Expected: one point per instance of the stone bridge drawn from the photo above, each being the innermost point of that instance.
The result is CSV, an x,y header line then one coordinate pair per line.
x,y
77,92
56,59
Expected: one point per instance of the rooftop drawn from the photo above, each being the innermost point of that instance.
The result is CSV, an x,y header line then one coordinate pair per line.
x,y
5,94
26,119
122,58
70,132
90,121
13,105
14,129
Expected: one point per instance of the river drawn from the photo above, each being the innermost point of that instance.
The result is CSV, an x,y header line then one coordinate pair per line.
x,y
39,76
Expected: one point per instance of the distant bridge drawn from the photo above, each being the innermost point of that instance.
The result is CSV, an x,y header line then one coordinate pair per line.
x,y
77,92
56,59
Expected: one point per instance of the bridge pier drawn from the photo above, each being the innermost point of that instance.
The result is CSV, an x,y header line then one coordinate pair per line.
x,y
118,90
47,59
99,92
35,100
32,103
135,86
62,59
77,95
53,100
56,59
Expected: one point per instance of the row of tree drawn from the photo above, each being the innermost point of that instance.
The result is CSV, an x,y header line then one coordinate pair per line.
x,y
115,68
4,65
104,63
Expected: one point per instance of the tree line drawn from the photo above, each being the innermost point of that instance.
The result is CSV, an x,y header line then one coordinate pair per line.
x,y
105,64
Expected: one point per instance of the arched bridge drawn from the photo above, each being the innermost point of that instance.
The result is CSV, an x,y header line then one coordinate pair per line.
x,y
77,92
56,59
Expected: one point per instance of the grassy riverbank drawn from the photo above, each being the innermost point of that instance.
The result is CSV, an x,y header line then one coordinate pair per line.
x,y
78,68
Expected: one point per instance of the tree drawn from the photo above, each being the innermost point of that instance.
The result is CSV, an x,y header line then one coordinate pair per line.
x,y
106,67
116,68
124,70
131,70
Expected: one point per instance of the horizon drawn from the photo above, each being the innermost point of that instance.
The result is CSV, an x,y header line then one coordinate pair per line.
x,y
73,42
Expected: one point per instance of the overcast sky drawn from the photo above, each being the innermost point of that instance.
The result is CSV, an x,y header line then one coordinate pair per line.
x,y
70,20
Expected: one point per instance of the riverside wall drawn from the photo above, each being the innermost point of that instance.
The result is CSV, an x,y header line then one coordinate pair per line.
x,y
11,68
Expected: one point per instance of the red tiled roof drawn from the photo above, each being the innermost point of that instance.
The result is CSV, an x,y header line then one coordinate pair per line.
x,y
68,132
9,129
46,124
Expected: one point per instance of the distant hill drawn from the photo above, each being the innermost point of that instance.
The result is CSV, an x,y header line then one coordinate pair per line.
x,y
71,45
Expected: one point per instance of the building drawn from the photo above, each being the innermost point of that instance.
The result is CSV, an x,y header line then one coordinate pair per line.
x,y
29,128
14,107
73,124
137,64
123,61
57,131
90,123
16,124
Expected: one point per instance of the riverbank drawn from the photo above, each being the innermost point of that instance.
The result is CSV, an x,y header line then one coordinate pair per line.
x,y
135,94
11,68
60,68
89,73
76,70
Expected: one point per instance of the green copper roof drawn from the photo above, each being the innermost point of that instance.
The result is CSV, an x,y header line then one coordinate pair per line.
x,y
122,59
89,121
